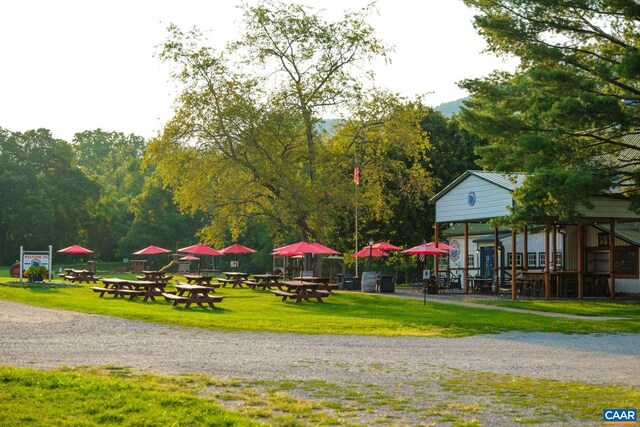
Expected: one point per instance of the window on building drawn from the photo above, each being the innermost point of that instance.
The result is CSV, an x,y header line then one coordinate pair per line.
x,y
603,239
541,259
472,261
559,259
518,259
532,259
443,260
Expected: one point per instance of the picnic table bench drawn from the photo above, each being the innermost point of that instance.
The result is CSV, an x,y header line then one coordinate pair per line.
x,y
80,276
300,290
131,288
197,279
188,294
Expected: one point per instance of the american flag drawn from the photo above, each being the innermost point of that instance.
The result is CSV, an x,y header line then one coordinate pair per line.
x,y
422,257
356,175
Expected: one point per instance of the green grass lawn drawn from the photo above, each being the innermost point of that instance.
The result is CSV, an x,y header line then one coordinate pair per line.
x,y
342,313
116,396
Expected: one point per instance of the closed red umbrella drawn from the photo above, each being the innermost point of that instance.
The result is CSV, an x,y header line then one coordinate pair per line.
x,y
75,249
189,258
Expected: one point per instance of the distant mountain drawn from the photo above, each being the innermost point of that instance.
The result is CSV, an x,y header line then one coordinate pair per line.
x,y
450,108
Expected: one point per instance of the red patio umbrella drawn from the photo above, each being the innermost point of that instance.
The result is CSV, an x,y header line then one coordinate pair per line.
x,y
200,249
237,249
442,245
75,249
304,248
424,249
370,251
327,250
386,246
151,250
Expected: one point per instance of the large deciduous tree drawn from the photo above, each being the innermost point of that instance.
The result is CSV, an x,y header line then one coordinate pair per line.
x,y
570,115
245,140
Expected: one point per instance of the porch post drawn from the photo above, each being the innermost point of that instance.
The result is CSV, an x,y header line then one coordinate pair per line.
x,y
554,248
547,272
466,257
514,294
525,249
496,259
435,256
580,261
612,267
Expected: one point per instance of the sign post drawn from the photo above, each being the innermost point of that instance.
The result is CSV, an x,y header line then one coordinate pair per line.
x,y
35,258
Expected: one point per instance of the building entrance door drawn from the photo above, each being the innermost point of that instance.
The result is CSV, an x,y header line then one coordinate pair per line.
x,y
486,261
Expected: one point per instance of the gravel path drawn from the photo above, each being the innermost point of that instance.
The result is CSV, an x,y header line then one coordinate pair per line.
x,y
31,336
404,367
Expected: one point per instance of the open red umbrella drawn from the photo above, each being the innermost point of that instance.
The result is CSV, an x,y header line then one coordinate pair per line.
x,y
424,249
75,249
151,250
386,246
442,245
200,249
370,251
237,249
304,248
326,250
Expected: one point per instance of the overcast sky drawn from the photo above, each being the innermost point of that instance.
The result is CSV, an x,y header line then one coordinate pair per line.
x,y
76,65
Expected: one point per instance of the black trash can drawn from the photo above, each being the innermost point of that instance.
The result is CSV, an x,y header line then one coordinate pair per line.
x,y
387,284
350,283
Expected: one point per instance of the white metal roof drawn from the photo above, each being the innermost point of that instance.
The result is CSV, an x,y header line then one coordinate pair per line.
x,y
508,181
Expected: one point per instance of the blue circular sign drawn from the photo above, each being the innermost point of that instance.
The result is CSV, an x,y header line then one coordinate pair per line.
x,y
471,198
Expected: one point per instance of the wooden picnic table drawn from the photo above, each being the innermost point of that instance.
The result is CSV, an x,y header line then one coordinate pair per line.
x,y
323,280
264,281
131,288
154,276
80,276
481,284
188,294
197,279
300,290
234,278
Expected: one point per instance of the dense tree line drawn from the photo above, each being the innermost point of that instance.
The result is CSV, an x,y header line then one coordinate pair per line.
x,y
100,192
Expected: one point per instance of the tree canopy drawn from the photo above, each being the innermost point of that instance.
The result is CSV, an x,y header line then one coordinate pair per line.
x,y
570,114
245,139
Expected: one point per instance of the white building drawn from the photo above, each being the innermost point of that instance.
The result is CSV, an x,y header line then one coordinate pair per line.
x,y
546,260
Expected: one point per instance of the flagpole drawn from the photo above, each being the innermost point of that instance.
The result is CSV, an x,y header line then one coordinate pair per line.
x,y
356,181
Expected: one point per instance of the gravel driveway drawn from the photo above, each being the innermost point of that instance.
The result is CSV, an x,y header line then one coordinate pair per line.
x,y
38,337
